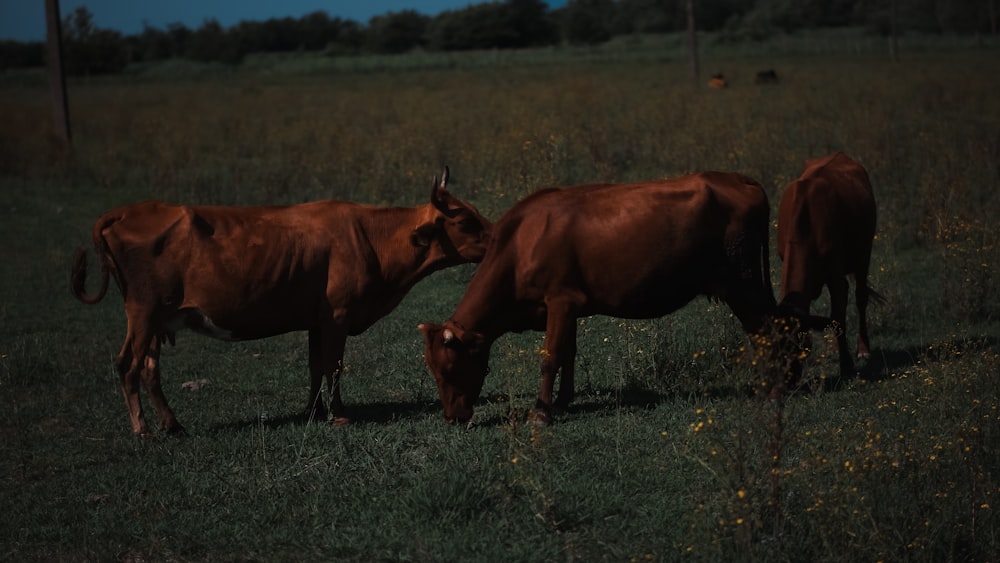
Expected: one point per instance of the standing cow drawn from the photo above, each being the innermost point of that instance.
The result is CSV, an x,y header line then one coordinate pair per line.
x,y
330,268
826,223
633,250
717,81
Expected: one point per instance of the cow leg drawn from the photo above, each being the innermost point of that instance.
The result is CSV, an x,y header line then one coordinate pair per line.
x,y
838,312
315,410
559,355
130,388
861,300
334,340
131,360
151,380
567,388
567,358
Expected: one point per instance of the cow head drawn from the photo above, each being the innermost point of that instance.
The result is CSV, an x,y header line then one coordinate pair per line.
x,y
802,282
791,335
453,229
794,307
459,360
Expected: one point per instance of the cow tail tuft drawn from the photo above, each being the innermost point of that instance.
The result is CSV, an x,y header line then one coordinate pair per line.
x,y
78,279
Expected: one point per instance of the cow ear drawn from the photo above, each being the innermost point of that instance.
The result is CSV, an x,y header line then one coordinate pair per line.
x,y
428,329
423,235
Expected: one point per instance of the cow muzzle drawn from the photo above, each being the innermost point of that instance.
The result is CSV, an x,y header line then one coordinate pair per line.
x,y
458,416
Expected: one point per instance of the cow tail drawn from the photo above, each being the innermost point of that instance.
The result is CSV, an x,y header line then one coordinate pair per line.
x,y
78,275
78,279
765,257
762,231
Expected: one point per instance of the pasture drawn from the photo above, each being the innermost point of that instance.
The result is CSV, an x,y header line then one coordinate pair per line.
x,y
666,453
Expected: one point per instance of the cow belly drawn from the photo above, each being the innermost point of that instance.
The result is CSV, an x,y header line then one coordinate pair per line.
x,y
649,306
242,326
652,299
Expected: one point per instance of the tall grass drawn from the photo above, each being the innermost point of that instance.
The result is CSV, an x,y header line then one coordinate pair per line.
x,y
667,452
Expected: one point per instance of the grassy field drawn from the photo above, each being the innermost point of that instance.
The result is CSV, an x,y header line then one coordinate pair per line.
x,y
664,456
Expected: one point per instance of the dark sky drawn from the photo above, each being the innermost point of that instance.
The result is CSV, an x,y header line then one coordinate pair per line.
x,y
24,20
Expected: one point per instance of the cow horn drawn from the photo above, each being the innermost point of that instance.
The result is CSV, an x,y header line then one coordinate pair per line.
x,y
448,336
444,177
439,186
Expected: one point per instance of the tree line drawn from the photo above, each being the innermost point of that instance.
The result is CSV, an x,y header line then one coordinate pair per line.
x,y
506,24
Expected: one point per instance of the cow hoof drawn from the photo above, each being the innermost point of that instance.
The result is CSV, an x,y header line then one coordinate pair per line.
x,y
340,421
315,414
539,418
311,417
174,429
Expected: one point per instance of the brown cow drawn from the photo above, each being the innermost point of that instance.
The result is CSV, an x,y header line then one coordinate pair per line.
x,y
633,250
330,268
826,223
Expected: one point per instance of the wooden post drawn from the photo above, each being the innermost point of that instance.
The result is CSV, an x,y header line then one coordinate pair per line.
x,y
993,18
893,32
57,75
692,40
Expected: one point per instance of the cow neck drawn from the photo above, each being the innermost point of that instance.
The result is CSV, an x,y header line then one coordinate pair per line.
x,y
466,322
486,307
388,231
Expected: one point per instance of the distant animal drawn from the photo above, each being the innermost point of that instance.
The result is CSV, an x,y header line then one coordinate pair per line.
x,y
826,224
330,268
766,77
636,251
717,81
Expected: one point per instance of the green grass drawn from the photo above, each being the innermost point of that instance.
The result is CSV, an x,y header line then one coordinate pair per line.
x,y
665,454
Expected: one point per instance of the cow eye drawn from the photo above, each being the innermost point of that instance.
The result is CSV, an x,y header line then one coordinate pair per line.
x,y
468,224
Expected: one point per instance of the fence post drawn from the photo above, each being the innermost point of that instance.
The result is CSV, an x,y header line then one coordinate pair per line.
x,y
57,75
893,32
692,40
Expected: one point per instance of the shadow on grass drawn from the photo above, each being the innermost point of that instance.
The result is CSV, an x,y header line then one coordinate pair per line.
x,y
605,401
601,401
373,413
882,365
885,363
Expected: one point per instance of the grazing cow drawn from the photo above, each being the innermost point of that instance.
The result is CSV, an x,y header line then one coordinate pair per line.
x,y
632,250
826,223
717,81
766,77
330,268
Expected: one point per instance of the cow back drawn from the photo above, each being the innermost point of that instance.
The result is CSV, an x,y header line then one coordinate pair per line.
x,y
632,250
826,222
